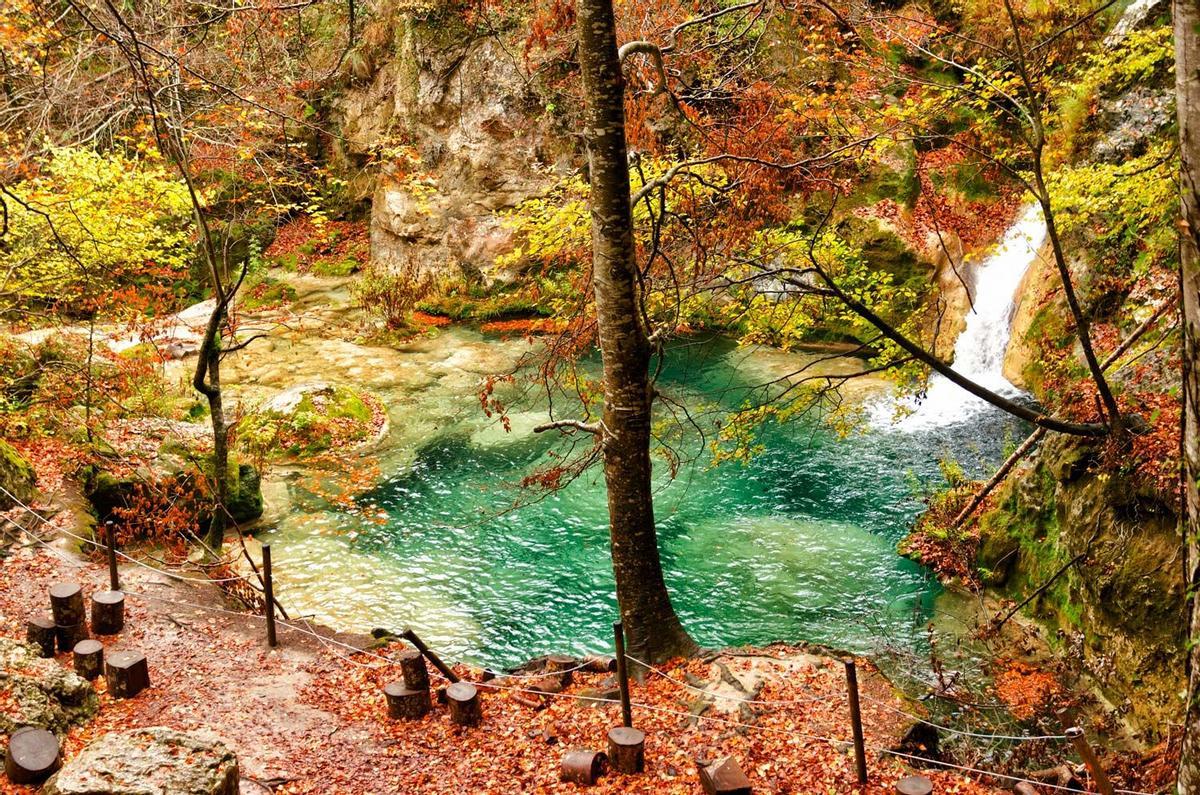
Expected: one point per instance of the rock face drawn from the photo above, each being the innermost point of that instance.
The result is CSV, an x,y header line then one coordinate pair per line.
x,y
455,108
16,477
43,693
1118,613
153,761
1131,121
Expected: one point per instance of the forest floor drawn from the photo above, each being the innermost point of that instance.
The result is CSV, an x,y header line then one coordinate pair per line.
x,y
309,716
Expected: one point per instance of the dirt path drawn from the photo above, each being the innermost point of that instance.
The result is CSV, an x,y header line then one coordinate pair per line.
x,y
309,717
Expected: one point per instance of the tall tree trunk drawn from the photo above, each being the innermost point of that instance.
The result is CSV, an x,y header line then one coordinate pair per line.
x,y
653,630
215,537
1187,83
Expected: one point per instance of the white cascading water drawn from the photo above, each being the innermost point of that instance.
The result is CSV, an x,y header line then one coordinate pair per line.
x,y
979,351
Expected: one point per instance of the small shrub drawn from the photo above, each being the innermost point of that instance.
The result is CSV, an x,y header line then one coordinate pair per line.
x,y
392,295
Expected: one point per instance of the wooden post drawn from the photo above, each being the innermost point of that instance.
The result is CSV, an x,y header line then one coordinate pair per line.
x,y
463,699
412,667
108,612
40,632
269,596
860,753
31,756
126,674
622,673
627,750
1075,734
88,658
412,638
68,635
581,766
114,582
405,703
66,604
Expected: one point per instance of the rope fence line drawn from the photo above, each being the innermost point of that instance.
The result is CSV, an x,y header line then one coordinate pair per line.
x,y
950,730
118,552
839,696
330,643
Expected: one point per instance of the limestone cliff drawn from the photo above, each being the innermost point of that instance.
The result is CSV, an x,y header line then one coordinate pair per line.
x,y
1116,614
452,133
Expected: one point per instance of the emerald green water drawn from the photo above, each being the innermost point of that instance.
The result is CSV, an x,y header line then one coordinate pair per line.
x,y
797,545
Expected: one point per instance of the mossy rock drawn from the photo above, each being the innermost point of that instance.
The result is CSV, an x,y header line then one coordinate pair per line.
x,y
16,477
998,554
338,268
245,504
42,693
306,420
1122,599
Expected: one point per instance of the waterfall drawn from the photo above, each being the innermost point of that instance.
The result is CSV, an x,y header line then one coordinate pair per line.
x,y
979,350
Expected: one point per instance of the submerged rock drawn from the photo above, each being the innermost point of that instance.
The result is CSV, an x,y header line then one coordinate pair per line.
x,y
153,761
40,692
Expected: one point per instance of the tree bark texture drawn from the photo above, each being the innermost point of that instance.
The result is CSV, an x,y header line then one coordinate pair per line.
x,y
654,632
1187,78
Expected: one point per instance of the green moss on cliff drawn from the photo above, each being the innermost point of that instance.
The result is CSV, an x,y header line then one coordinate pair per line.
x,y
1122,603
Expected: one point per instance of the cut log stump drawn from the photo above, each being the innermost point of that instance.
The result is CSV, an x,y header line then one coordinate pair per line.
x,y
463,699
412,667
39,631
88,656
1024,788
31,757
405,703
914,785
108,612
68,635
66,603
126,674
581,766
627,749
560,665
724,777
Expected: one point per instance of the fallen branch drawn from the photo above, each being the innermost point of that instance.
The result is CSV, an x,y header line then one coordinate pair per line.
x,y
998,478
1040,589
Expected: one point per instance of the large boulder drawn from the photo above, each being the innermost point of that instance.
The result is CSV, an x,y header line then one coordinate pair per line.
x,y
16,477
153,761
309,419
39,692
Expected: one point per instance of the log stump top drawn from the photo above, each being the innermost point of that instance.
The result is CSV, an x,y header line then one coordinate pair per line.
x,y
126,659
461,691
42,622
626,735
88,647
62,591
914,785
108,597
32,756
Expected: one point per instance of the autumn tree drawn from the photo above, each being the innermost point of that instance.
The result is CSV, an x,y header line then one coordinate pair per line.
x,y
654,630
216,94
